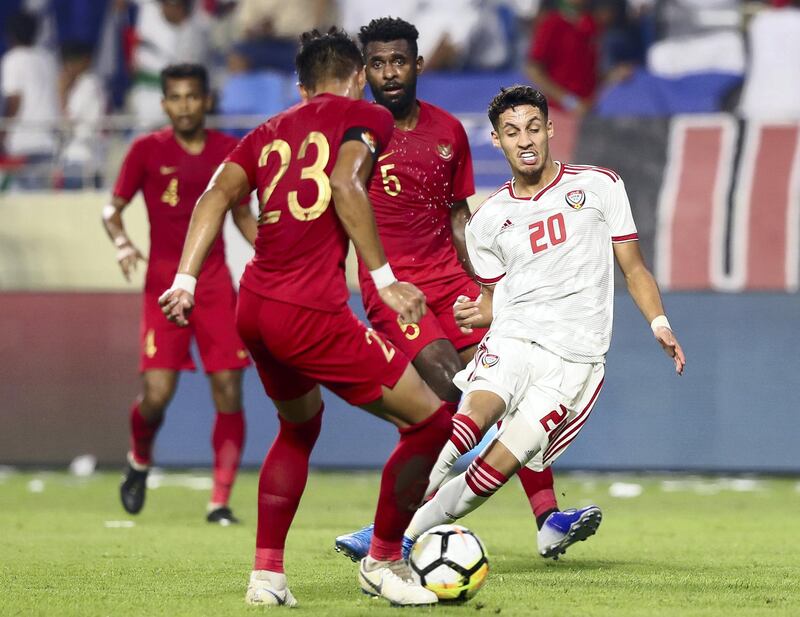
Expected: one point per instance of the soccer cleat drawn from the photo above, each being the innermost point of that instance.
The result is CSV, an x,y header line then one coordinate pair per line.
x,y
133,487
269,589
393,581
222,515
562,529
355,545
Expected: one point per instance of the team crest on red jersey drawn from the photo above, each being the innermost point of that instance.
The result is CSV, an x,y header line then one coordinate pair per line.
x,y
445,151
576,199
369,139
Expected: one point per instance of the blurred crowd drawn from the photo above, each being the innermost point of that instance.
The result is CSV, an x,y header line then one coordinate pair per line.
x,y
90,58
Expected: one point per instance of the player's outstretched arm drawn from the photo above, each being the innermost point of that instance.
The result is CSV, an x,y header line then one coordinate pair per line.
x,y
227,187
348,186
127,253
644,291
459,215
475,313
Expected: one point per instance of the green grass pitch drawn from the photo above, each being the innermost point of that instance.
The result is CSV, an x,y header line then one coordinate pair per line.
x,y
684,547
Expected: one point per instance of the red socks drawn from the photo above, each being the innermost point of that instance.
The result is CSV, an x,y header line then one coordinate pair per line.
x,y
538,486
227,440
404,480
280,486
143,434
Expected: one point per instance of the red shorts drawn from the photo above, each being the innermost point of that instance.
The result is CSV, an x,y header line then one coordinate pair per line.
x,y
295,348
212,323
438,323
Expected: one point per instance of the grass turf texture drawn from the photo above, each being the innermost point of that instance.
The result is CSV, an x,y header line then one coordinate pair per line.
x,y
701,548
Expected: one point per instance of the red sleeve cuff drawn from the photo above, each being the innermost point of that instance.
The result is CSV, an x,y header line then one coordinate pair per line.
x,y
626,238
490,281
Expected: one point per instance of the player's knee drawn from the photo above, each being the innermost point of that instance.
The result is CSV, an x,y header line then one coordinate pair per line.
x,y
227,396
156,397
483,408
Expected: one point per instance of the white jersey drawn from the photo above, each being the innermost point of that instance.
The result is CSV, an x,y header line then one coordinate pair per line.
x,y
552,259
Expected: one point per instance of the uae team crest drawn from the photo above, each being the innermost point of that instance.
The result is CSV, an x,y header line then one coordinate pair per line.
x,y
576,199
489,360
445,151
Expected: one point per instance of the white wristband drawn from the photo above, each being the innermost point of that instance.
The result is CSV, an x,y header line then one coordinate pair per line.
x,y
383,276
184,281
658,322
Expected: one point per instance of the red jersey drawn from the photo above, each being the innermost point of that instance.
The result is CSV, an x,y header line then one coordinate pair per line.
x,y
419,176
568,51
172,181
301,245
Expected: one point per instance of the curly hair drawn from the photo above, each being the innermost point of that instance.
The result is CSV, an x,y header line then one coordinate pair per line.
x,y
511,97
387,29
332,54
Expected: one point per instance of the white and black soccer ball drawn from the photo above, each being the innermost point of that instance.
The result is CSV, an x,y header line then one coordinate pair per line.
x,y
451,561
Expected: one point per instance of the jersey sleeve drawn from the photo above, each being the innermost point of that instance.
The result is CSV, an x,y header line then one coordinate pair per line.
x,y
375,121
229,143
244,155
463,178
618,214
132,173
487,264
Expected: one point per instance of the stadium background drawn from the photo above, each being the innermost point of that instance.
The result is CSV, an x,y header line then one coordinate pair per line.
x,y
717,201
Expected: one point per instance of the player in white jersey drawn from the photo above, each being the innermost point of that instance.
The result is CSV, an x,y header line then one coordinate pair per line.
x,y
543,248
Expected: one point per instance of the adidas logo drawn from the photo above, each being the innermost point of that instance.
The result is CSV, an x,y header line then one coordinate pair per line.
x,y
506,225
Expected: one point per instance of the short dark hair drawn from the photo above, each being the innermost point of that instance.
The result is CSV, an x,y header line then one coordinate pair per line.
x,y
185,71
513,97
22,28
332,54
385,29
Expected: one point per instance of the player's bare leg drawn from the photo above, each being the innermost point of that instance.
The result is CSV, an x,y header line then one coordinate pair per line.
x,y
281,484
437,363
146,415
227,441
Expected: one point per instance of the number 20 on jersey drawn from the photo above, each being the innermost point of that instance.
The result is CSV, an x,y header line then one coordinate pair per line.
x,y
545,234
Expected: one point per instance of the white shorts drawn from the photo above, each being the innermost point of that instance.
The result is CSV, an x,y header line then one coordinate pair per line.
x,y
548,399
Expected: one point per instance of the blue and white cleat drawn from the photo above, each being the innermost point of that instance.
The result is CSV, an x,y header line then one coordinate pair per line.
x,y
562,529
355,545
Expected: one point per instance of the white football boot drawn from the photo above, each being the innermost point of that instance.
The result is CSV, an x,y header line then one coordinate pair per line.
x,y
393,580
269,589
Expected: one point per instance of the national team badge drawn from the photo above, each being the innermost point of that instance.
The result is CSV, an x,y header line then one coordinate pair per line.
x,y
445,151
489,360
576,199
369,139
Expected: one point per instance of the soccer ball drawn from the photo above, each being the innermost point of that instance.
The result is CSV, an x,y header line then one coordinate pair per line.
x,y
451,561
